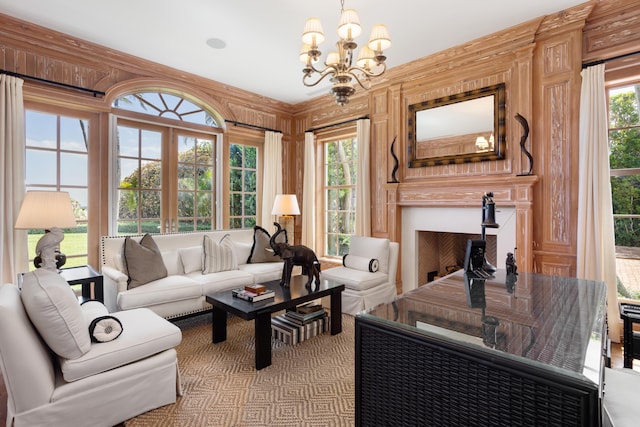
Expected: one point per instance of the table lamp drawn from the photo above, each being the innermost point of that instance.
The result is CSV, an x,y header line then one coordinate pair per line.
x,y
51,211
285,206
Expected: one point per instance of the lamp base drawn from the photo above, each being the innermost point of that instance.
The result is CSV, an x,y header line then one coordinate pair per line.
x,y
48,250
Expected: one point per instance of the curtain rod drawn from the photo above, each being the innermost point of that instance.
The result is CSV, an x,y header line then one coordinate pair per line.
x,y
247,125
602,61
95,93
336,124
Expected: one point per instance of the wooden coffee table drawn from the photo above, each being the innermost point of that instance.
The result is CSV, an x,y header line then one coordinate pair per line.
x,y
261,311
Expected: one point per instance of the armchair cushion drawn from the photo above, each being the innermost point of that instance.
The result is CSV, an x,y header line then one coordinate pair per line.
x,y
54,310
134,344
143,261
371,247
355,279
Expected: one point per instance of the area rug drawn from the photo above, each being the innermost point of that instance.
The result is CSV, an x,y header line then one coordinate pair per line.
x,y
308,384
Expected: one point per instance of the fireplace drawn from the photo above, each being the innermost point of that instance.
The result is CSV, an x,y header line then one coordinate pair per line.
x,y
434,238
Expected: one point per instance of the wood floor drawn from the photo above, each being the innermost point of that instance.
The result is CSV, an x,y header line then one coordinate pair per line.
x,y
616,362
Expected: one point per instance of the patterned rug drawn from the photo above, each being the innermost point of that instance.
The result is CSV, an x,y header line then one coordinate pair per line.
x,y
309,384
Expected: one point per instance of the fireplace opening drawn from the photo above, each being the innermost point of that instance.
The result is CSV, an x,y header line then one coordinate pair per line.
x,y
442,253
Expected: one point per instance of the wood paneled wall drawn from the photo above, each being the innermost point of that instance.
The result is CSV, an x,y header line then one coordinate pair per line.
x,y
540,62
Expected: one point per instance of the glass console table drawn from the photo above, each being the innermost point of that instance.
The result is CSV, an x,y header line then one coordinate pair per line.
x,y
509,350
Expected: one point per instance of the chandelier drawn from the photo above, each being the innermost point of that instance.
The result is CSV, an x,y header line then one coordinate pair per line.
x,y
340,64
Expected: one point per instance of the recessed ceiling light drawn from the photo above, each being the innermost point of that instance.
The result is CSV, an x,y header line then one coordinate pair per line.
x,y
216,43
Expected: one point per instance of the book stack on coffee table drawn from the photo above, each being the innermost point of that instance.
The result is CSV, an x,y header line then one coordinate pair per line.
x,y
297,325
253,293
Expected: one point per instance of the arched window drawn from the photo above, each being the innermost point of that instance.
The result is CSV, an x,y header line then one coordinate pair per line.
x,y
165,168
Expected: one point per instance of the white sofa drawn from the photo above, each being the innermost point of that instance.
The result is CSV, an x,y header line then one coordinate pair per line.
x,y
183,291
56,376
365,289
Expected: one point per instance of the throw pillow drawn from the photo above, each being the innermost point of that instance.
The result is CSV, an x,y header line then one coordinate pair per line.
x,y
53,309
218,256
191,259
360,263
102,327
143,261
259,252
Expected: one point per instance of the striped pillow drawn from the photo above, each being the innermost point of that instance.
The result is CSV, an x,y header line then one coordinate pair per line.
x,y
218,256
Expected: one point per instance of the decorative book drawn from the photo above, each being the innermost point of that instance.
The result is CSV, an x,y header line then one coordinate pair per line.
x,y
252,296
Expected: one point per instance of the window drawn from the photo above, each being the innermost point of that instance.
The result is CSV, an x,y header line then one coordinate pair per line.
x,y
166,174
624,161
242,186
56,160
339,185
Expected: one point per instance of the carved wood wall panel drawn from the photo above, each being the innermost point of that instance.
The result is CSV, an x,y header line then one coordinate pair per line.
x,y
612,29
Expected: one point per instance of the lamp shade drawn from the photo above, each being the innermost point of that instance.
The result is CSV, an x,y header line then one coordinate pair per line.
x,y
349,27
46,210
285,204
379,39
313,34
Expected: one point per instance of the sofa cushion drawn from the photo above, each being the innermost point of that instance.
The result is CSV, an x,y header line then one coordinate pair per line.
x,y
191,259
354,279
167,289
243,251
143,261
261,249
54,310
144,334
371,247
218,256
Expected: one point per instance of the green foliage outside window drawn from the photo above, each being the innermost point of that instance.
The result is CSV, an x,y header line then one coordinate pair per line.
x,y
624,143
340,164
243,186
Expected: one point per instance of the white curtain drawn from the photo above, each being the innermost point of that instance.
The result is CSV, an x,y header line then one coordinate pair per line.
x,y
272,177
308,192
363,182
13,248
596,258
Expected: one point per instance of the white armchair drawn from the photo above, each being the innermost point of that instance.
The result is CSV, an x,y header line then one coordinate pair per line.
x,y
99,383
366,285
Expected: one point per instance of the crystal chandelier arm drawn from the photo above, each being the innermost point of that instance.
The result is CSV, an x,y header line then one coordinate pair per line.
x,y
367,74
329,70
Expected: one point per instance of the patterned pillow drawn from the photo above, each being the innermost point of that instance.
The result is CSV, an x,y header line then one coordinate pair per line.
x,y
218,256
259,252
143,261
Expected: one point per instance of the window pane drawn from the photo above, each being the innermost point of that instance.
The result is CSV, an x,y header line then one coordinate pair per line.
x,y
204,151
41,167
73,134
235,155
235,176
149,204
249,204
236,204
186,177
40,129
250,181
151,144
150,175
185,204
204,200
73,169
205,178
128,141
128,204
250,156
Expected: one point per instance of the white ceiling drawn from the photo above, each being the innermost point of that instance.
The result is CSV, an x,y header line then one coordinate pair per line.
x,y
263,36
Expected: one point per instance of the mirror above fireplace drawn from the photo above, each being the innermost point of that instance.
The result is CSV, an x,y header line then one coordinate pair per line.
x,y
460,128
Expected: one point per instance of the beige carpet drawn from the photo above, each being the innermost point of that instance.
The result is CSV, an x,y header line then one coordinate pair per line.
x,y
309,384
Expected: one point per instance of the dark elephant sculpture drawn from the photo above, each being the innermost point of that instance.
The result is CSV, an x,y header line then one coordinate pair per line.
x,y
295,255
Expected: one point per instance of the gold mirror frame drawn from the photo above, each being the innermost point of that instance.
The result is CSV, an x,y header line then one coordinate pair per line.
x,y
454,144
